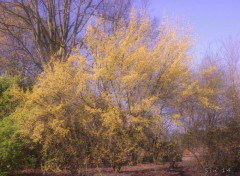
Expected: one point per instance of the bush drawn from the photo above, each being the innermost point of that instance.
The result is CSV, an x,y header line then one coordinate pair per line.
x,y
14,154
170,153
14,150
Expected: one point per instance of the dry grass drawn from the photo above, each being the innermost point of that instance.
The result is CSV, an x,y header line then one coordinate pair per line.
x,y
183,169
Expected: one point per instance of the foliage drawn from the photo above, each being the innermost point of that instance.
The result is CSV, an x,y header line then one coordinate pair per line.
x,y
7,101
13,148
167,151
14,153
12,90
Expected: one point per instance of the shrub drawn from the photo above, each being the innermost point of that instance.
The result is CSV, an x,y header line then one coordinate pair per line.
x,y
14,154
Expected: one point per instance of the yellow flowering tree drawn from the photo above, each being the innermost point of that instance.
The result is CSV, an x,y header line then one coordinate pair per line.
x,y
140,77
106,107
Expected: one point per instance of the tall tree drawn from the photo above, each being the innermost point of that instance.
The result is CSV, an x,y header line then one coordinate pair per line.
x,y
37,30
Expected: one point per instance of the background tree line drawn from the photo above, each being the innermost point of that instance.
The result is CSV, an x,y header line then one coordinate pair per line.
x,y
100,83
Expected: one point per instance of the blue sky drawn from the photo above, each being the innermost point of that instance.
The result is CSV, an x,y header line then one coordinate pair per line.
x,y
211,20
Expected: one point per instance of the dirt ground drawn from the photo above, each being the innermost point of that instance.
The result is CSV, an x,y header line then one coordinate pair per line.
x,y
182,169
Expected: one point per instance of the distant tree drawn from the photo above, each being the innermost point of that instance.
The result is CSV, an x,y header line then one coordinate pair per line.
x,y
213,111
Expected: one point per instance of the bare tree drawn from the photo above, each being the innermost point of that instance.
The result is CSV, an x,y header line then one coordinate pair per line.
x,y
41,29
213,123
